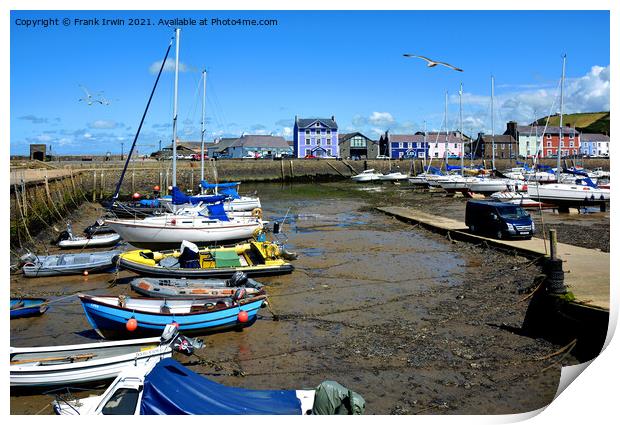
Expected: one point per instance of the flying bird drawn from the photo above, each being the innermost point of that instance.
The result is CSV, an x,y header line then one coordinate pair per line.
x,y
89,99
432,63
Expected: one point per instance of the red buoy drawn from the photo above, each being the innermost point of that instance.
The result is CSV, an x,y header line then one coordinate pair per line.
x,y
156,188
242,316
131,325
136,195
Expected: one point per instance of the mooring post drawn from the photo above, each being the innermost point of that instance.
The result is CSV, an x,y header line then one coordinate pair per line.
x,y
553,242
133,181
95,186
102,184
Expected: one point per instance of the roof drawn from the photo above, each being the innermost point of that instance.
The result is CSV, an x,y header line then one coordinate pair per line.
x,y
260,141
556,130
347,136
307,122
440,137
407,138
195,146
594,137
223,143
499,138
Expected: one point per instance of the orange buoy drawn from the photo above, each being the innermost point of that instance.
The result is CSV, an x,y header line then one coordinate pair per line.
x,y
136,195
156,188
131,325
242,316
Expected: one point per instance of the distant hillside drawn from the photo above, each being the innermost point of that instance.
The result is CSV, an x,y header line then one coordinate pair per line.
x,y
587,122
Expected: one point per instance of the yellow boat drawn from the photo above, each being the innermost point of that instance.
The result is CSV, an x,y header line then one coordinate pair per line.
x,y
253,258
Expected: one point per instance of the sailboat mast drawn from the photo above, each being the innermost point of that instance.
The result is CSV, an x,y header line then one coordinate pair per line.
x,y
175,111
446,143
461,125
425,146
557,172
493,122
202,129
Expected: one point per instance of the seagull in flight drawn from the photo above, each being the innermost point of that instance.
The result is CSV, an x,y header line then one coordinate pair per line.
x,y
432,63
89,98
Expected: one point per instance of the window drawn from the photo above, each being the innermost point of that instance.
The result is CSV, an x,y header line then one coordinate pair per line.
x,y
400,145
572,136
548,144
328,141
123,402
318,124
307,141
549,136
549,152
329,131
571,144
456,145
307,131
318,141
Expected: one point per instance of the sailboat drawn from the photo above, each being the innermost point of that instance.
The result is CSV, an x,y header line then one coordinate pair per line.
x,y
173,228
582,192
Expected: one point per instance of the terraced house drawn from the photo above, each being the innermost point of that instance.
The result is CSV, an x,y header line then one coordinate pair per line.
x,y
403,145
594,145
315,137
357,146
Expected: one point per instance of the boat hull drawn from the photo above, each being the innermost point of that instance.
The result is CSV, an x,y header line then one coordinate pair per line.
x,y
27,307
45,369
183,288
55,265
110,320
179,228
93,242
567,195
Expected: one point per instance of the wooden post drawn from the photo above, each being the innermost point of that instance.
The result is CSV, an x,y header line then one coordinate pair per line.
x,y
167,191
95,186
553,242
160,181
192,185
24,203
282,168
102,185
133,181
292,173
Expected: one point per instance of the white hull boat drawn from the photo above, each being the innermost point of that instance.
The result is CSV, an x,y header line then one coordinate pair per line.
x,y
242,204
163,388
392,177
573,194
93,362
96,241
174,229
495,185
366,176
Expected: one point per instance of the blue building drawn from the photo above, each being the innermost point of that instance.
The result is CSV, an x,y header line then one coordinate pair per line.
x,y
315,136
403,145
595,145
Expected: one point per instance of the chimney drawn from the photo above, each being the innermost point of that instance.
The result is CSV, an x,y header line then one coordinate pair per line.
x,y
333,119
511,128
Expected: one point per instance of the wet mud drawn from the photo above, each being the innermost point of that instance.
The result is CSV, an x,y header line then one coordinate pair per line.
x,y
413,322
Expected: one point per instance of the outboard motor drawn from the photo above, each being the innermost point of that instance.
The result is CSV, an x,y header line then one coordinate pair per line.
x,y
63,236
237,279
190,256
276,227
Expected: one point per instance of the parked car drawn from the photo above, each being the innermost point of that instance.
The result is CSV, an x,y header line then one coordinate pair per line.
x,y
196,157
383,157
309,156
498,219
287,155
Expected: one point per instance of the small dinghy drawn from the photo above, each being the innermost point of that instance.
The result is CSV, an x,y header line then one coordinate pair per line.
x,y
67,240
168,388
116,317
196,288
28,307
94,362
68,264
254,258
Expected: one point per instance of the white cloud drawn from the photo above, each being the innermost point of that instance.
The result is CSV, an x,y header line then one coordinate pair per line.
x,y
103,124
44,138
287,131
381,118
169,66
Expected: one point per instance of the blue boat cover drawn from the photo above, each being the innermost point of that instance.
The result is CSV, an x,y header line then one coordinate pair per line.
x,y
172,389
216,211
179,198
453,167
434,170
228,189
153,203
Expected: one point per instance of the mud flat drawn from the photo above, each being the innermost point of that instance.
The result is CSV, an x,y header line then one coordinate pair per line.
x,y
413,322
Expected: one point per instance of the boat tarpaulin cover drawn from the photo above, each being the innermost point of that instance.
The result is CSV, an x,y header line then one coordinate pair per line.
x,y
172,389
179,198
331,398
154,203
228,189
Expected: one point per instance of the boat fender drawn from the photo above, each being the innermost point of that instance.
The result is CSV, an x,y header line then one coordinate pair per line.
x,y
242,317
173,222
258,213
132,324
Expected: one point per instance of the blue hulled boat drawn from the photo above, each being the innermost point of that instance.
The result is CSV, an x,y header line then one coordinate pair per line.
x,y
129,317
27,307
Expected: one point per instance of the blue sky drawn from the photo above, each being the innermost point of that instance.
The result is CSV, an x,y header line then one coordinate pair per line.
x,y
312,64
